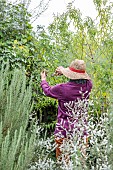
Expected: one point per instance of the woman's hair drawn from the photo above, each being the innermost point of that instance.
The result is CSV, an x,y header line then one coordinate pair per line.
x,y
79,81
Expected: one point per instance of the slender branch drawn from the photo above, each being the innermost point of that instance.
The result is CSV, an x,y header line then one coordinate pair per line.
x,y
42,8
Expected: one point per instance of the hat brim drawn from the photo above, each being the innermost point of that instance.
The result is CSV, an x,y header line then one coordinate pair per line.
x,y
74,75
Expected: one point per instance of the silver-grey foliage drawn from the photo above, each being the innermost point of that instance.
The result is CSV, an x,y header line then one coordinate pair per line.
x,y
16,142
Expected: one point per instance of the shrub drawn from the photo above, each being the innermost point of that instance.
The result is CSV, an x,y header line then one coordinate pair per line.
x,y
16,142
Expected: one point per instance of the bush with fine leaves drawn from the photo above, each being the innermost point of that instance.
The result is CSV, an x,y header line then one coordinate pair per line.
x,y
16,140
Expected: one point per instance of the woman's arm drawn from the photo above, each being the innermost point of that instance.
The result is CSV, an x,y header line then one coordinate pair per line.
x,y
54,91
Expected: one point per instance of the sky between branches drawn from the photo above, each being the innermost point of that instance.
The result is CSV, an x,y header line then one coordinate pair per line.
x,y
86,7
55,7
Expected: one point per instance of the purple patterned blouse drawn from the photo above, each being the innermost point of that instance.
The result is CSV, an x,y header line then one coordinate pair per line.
x,y
72,106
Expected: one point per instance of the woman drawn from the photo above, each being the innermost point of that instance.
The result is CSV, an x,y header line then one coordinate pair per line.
x,y
69,96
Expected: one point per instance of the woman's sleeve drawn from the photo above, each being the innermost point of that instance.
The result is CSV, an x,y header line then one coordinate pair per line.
x,y
90,85
54,91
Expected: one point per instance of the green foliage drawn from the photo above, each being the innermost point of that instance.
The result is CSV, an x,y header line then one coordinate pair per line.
x,y
16,142
90,40
16,37
10,94
68,37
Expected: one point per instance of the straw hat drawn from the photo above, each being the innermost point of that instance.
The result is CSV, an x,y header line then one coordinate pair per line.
x,y
76,70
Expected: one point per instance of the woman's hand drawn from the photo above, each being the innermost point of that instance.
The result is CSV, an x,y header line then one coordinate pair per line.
x,y
43,75
58,71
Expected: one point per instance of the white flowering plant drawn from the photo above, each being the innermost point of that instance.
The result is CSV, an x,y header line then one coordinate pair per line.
x,y
77,153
